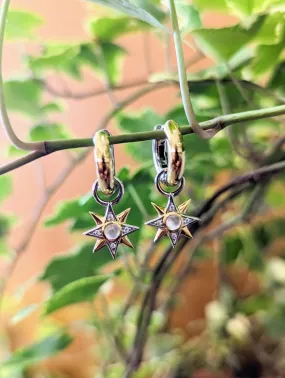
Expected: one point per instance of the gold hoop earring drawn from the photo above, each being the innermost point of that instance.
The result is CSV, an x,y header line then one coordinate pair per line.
x,y
111,229
169,160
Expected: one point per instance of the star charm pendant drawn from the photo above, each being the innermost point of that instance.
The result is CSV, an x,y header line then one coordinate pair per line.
x,y
111,230
172,221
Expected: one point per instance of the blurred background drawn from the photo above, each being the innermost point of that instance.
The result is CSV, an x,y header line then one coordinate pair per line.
x,y
147,53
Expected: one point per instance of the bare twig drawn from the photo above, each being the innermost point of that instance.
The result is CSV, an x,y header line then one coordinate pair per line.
x,y
7,126
188,107
147,53
170,256
68,94
50,191
221,122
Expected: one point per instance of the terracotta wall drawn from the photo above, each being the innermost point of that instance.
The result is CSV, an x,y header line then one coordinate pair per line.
x,y
64,21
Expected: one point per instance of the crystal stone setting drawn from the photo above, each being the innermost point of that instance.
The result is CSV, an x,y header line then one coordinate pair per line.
x,y
112,231
173,222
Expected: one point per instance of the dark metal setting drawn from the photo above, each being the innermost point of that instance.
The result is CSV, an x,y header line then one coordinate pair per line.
x,y
111,230
169,154
172,221
104,161
118,185
160,179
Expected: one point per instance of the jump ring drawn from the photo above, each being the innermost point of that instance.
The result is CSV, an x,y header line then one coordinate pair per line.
x,y
169,153
158,181
104,161
118,185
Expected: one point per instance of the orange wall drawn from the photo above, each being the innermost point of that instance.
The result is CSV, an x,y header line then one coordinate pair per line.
x,y
64,21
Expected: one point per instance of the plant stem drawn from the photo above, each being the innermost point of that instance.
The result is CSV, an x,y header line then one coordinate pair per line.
x,y
184,88
38,146
222,122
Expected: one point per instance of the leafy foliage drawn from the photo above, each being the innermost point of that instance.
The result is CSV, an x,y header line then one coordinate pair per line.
x,y
37,352
23,96
82,290
48,132
248,71
145,11
79,264
22,25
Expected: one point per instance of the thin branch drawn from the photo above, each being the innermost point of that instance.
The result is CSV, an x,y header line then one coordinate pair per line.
x,y
170,256
108,86
9,131
21,162
50,191
222,122
147,53
252,177
188,107
226,109
91,92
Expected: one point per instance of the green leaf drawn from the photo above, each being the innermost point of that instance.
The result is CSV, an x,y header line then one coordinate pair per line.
x,y
51,107
37,352
5,187
272,30
275,323
251,251
57,57
6,221
212,41
232,247
266,58
48,131
209,5
189,17
151,6
144,121
113,57
104,57
12,151
79,264
66,210
22,25
109,28
278,78
82,290
132,10
4,251
246,8
23,96
251,305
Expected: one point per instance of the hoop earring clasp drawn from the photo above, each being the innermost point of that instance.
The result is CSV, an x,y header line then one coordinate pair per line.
x,y
104,162
169,154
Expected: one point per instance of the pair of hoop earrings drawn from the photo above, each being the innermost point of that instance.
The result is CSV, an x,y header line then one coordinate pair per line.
x,y
169,160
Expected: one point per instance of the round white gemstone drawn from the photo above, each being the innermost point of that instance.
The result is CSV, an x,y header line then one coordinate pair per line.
x,y
112,231
173,222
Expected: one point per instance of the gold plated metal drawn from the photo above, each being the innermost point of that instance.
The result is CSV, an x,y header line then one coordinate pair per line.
x,y
169,153
104,162
172,221
111,230
169,161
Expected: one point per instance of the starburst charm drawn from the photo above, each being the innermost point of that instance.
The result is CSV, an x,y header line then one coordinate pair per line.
x,y
172,221
111,230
